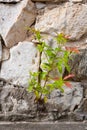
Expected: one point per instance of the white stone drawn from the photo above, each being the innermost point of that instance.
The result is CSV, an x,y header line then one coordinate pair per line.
x,y
58,0
77,0
50,0
40,5
9,1
71,20
0,50
5,54
23,59
70,98
14,19
22,106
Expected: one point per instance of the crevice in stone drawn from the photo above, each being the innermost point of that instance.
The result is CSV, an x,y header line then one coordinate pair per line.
x,y
3,45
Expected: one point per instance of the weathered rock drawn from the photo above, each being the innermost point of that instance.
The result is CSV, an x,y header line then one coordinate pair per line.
x,y
65,18
6,105
15,99
69,100
81,112
40,5
23,59
58,0
5,54
50,0
79,65
78,116
0,50
77,0
84,84
10,1
84,106
17,104
14,20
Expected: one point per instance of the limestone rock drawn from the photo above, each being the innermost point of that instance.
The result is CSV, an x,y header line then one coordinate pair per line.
x,y
9,1
14,19
23,59
16,102
0,50
6,105
50,0
64,18
5,54
14,99
40,5
77,0
79,65
58,0
83,106
69,99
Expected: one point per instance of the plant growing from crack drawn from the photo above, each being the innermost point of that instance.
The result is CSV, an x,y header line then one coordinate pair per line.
x,y
42,83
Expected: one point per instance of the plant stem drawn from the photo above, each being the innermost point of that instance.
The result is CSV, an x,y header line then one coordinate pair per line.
x,y
46,79
39,69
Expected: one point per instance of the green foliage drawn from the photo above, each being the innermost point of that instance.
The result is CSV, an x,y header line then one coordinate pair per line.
x,y
42,83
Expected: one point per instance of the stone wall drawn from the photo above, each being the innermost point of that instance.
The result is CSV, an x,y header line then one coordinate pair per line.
x,y
18,56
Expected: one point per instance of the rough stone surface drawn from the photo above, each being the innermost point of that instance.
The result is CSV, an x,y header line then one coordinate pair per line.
x,y
59,20
5,54
84,84
23,59
9,1
69,99
14,99
81,113
19,56
14,20
79,65
17,104
50,0
40,5
44,126
59,1
77,0
83,106
0,50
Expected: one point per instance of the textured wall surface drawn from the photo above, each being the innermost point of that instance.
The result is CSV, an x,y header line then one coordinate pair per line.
x,y
19,56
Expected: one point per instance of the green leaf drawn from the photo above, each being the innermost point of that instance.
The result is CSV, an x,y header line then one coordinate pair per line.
x,y
45,90
67,67
46,66
57,49
40,48
30,88
43,75
45,99
37,94
38,35
61,89
50,87
60,39
58,83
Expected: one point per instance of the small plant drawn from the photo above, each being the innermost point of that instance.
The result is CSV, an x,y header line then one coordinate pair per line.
x,y
42,83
